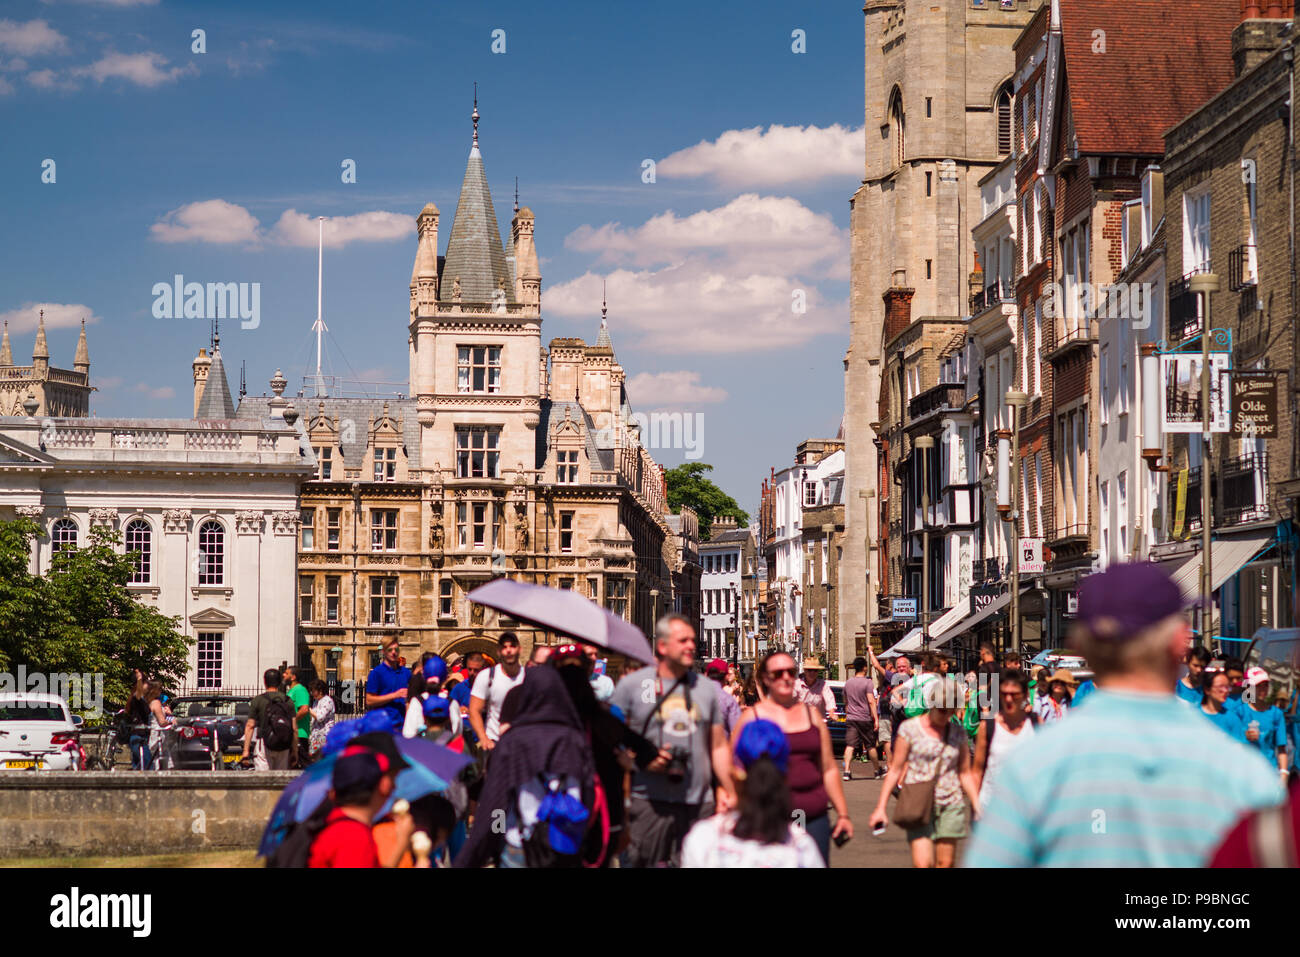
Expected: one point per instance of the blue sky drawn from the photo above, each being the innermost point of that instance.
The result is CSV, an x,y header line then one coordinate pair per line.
x,y
215,165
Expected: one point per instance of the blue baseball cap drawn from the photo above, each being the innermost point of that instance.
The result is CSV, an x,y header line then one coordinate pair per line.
x,y
763,739
357,769
381,719
437,708
337,738
435,669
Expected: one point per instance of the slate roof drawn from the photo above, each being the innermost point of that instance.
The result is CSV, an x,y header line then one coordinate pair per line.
x,y
599,446
474,251
1162,61
216,402
360,412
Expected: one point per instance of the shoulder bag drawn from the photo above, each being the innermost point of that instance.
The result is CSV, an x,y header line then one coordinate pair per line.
x,y
915,807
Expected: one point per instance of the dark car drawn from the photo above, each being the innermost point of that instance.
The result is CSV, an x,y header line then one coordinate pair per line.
x,y
209,730
838,728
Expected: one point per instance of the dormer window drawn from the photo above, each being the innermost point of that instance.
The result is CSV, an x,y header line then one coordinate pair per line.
x,y
385,465
324,461
566,468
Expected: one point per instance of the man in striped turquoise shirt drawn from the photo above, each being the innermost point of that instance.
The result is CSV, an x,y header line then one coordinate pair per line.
x,y
1137,778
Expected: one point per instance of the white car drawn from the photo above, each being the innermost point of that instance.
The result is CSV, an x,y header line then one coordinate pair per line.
x,y
37,732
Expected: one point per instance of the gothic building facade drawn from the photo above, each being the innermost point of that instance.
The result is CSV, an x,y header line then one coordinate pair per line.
x,y
506,457
40,389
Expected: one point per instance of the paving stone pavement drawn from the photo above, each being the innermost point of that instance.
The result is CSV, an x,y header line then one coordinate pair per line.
x,y
889,850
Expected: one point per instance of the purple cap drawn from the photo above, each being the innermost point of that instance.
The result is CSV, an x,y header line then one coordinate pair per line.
x,y
1126,598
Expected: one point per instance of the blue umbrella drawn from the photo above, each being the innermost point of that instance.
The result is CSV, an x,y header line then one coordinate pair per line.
x,y
305,793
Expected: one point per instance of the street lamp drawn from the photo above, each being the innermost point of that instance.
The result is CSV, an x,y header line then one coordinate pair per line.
x,y
1015,401
1205,283
924,444
867,495
654,608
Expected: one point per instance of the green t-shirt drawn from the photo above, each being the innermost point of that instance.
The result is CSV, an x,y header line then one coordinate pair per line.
x,y
299,696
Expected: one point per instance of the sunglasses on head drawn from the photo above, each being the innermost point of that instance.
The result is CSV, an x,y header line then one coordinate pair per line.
x,y
782,673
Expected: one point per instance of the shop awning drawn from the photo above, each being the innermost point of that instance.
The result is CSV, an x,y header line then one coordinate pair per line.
x,y
912,640
1227,557
994,607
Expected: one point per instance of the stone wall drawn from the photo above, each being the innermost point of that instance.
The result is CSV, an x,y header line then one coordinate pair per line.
x,y
96,813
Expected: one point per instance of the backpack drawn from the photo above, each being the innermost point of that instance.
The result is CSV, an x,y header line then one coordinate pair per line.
x,y
915,704
295,849
552,827
277,730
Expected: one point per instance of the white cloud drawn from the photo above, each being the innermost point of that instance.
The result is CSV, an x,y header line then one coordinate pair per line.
x,y
143,69
715,307
161,392
781,156
730,279
5,87
761,233
299,229
32,37
209,221
49,80
217,221
58,315
672,390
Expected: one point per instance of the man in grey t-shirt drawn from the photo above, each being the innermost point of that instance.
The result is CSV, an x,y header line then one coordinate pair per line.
x,y
678,710
860,714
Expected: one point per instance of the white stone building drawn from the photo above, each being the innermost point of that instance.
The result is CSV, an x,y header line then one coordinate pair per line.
x,y
722,559
210,505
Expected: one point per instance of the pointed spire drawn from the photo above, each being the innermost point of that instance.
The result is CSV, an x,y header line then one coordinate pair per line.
x,y
216,402
475,254
603,341
81,362
516,195
6,353
42,350
474,116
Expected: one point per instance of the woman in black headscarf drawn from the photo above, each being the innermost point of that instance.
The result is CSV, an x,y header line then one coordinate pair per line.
x,y
546,737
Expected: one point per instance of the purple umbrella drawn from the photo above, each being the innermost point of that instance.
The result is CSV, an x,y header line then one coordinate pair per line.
x,y
565,612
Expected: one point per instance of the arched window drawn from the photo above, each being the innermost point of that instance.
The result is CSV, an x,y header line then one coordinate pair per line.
x,y
63,535
212,553
1005,116
897,124
139,545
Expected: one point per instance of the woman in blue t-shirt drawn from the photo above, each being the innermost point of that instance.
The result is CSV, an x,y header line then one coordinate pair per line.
x,y
1214,692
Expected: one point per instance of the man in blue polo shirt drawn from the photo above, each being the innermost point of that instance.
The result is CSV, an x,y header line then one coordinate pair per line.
x,y
387,683
1136,778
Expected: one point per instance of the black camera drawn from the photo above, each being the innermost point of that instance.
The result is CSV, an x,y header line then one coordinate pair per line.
x,y
678,764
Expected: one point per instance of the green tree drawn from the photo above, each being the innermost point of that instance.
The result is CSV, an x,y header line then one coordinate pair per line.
x,y
688,484
81,618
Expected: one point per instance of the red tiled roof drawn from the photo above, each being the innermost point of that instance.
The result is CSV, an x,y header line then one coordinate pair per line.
x,y
1162,60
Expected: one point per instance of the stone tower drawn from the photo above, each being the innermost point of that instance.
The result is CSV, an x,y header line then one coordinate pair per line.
x,y
58,392
937,74
475,326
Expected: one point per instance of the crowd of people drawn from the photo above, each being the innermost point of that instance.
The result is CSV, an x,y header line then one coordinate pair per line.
x,y
674,765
